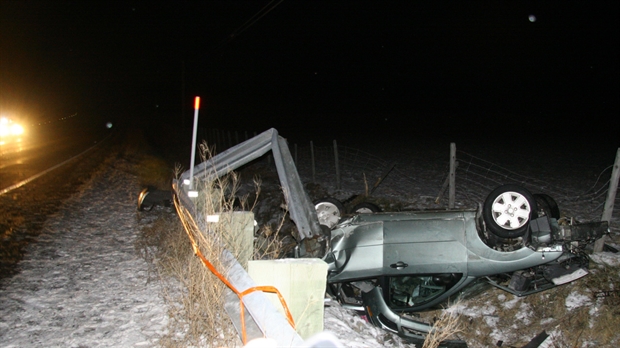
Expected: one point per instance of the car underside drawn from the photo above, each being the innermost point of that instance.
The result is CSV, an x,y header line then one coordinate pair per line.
x,y
391,265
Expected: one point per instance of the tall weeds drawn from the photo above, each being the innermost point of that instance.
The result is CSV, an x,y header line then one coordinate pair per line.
x,y
195,295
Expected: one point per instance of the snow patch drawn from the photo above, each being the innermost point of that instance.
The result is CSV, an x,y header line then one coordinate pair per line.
x,y
576,300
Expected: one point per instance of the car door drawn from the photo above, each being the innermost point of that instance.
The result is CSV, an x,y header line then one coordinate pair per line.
x,y
425,245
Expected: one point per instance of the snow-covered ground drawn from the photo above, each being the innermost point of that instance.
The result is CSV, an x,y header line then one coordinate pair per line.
x,y
83,284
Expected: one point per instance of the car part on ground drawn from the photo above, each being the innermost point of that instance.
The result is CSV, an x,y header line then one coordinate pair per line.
x,y
150,197
366,208
329,211
390,265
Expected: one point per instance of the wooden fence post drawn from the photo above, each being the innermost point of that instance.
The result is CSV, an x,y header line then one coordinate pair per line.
x,y
609,202
337,165
613,188
452,188
312,160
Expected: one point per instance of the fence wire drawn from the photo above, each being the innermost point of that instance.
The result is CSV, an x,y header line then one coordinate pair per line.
x,y
413,179
476,177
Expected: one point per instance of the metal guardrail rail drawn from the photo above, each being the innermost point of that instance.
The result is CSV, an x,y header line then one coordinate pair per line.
x,y
263,319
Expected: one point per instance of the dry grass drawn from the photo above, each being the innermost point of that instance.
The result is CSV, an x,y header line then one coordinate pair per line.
x,y
194,294
496,315
197,317
446,327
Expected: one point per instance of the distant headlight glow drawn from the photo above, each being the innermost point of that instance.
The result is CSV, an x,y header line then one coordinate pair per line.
x,y
17,129
10,128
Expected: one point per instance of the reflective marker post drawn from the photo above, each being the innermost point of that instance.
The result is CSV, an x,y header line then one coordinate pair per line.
x,y
191,192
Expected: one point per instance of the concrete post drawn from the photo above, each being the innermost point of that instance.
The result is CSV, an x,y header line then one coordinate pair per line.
x,y
302,284
240,241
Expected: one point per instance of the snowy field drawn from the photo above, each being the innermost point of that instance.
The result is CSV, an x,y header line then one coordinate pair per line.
x,y
83,284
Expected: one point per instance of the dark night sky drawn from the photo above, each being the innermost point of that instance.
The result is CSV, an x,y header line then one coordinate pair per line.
x,y
318,66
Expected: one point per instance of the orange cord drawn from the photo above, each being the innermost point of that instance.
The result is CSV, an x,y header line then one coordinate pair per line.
x,y
210,266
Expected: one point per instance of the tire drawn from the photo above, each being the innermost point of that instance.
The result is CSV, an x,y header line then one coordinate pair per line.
x,y
366,208
142,206
547,205
329,211
508,210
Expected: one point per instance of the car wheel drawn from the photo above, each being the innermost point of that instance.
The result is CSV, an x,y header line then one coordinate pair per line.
x,y
142,204
366,208
547,205
329,211
508,210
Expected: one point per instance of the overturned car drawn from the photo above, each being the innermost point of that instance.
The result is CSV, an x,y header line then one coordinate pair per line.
x,y
392,264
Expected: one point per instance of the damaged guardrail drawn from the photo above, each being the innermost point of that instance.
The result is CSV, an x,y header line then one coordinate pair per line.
x,y
263,319
300,207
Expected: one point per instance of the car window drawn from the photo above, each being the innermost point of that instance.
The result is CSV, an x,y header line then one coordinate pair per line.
x,y
413,290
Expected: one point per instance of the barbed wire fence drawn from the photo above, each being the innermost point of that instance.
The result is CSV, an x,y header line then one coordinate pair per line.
x,y
346,170
476,176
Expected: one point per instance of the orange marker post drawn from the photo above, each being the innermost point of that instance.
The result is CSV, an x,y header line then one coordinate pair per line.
x,y
193,156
